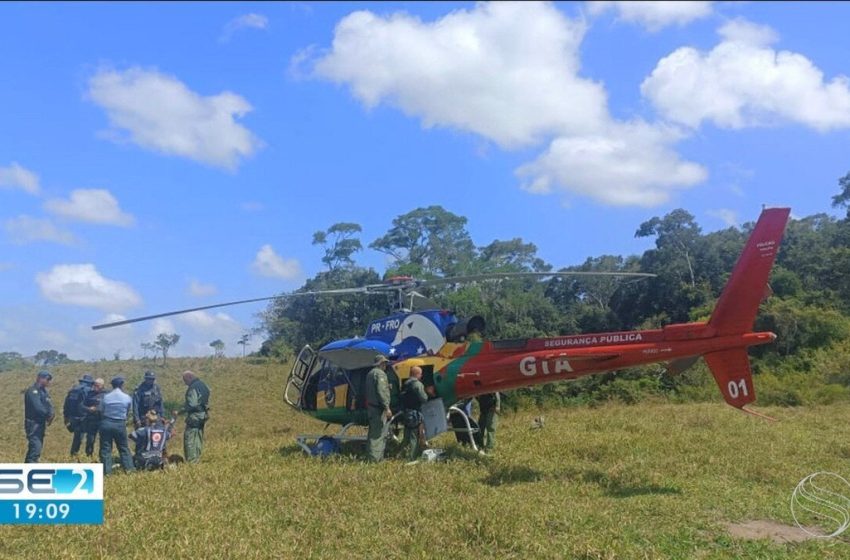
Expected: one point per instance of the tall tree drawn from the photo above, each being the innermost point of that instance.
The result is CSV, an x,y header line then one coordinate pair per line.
x,y
244,341
340,243
842,199
164,342
428,241
218,346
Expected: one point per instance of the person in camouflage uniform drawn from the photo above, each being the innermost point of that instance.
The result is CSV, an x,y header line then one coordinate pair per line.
x,y
413,396
197,414
378,405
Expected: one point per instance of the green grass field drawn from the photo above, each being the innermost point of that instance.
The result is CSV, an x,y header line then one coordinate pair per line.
x,y
644,481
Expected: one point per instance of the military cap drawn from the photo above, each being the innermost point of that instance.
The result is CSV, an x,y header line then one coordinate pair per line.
x,y
43,374
117,381
86,378
150,375
380,359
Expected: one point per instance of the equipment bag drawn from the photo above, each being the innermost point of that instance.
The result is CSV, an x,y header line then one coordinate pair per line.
x,y
412,418
73,400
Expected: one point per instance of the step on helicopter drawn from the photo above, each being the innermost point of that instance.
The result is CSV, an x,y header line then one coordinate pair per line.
x,y
329,383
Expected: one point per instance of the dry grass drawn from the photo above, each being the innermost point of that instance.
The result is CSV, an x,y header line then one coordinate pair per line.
x,y
644,481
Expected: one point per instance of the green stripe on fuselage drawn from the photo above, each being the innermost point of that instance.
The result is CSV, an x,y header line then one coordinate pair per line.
x,y
447,377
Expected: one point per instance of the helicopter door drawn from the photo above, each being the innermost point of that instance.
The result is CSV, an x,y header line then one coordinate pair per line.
x,y
300,370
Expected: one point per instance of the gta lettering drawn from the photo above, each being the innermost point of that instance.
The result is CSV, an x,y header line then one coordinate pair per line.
x,y
610,338
738,387
529,366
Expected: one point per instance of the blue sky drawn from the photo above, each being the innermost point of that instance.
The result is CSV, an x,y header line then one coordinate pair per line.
x,y
160,156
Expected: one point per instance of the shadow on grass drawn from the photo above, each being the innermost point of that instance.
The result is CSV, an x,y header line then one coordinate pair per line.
x,y
616,488
501,475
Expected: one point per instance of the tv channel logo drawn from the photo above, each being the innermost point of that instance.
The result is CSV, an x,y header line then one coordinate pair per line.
x,y
55,493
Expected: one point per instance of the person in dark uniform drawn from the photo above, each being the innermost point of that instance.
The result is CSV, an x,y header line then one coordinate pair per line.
x,y
147,396
91,414
413,396
378,401
73,413
489,406
38,414
197,414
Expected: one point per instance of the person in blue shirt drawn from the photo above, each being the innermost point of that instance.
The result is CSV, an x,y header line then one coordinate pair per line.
x,y
38,414
114,411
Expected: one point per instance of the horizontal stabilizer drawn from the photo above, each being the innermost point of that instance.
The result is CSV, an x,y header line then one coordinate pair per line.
x,y
677,367
731,370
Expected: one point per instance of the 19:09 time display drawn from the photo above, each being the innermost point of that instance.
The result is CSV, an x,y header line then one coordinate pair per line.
x,y
51,510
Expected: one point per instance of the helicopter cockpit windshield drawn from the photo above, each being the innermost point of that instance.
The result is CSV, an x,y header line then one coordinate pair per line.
x,y
335,376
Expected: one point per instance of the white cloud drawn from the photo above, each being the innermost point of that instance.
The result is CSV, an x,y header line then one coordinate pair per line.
x,y
478,71
96,206
247,21
740,30
160,113
162,326
14,176
199,289
269,263
628,165
474,70
203,319
727,216
743,82
82,284
26,229
656,14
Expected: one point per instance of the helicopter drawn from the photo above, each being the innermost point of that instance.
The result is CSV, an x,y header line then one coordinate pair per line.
x,y
329,383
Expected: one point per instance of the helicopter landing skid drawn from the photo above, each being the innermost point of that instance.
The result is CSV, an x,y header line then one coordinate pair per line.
x,y
466,428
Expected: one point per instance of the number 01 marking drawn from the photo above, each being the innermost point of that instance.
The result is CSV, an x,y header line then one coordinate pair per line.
x,y
738,387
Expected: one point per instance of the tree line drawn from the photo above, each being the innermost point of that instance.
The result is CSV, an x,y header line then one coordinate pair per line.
x,y
809,309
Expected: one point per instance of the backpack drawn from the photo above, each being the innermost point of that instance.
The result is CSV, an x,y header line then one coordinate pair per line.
x,y
326,445
73,400
152,455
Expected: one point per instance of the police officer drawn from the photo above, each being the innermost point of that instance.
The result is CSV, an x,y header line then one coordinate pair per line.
x,y
489,406
91,414
413,396
114,410
38,414
197,414
147,396
150,442
73,411
378,405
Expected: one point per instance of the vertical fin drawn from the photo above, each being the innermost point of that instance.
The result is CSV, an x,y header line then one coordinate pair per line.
x,y
731,370
738,304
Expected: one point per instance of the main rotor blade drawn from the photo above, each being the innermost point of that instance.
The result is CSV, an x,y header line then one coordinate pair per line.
x,y
508,275
341,291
